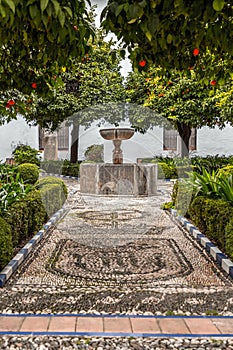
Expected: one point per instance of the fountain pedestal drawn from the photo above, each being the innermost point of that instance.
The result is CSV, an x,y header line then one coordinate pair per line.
x,y
117,152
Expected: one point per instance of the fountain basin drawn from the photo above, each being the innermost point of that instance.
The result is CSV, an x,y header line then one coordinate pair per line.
x,y
117,133
118,179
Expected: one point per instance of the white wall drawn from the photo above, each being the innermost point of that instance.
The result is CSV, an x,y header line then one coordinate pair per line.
x,y
15,133
215,141
209,141
139,146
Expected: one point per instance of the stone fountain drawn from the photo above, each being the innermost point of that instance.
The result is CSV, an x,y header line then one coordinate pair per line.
x,y
118,178
117,135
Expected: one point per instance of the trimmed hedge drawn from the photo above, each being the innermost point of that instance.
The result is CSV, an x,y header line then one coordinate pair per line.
x,y
64,167
26,217
6,247
29,173
229,238
166,171
212,216
53,197
52,180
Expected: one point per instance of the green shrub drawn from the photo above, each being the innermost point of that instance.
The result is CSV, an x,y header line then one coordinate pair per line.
x,y
52,180
211,216
212,185
61,167
52,166
70,169
11,192
168,171
196,212
182,196
6,247
210,163
26,154
6,172
229,238
29,173
95,153
26,217
167,205
225,171
53,197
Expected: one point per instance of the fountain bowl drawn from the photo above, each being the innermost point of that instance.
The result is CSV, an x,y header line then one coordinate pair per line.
x,y
117,133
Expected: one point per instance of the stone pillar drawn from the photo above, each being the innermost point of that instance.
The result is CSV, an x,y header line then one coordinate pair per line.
x,y
50,146
117,152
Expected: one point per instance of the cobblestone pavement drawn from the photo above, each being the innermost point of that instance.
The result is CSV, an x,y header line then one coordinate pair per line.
x,y
66,343
118,255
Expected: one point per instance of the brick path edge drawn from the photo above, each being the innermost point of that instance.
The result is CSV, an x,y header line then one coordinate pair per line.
x,y
220,258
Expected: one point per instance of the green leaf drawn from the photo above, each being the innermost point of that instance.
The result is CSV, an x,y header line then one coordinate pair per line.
x,y
2,11
178,3
11,4
135,11
169,39
43,4
61,18
57,7
132,21
33,11
153,4
68,10
148,35
218,5
119,9
45,20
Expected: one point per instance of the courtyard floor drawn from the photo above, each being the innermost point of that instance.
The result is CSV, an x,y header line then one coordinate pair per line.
x,y
127,263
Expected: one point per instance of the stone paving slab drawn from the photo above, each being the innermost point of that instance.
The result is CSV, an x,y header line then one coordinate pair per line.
x,y
116,326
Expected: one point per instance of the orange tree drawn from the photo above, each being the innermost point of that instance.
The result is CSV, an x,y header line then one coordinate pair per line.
x,y
181,100
87,87
37,38
171,33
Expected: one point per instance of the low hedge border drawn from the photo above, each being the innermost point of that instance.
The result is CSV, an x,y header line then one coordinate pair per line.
x,y
17,260
61,176
220,258
11,267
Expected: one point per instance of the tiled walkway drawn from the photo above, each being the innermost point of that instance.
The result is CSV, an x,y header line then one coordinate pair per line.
x,y
110,325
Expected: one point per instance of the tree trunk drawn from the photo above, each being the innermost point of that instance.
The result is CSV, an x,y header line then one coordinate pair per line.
x,y
74,144
184,131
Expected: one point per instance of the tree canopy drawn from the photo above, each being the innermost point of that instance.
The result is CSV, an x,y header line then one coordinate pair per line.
x,y
93,81
171,33
181,100
37,37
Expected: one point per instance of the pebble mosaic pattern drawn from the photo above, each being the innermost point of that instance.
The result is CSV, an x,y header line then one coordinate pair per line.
x,y
65,343
118,255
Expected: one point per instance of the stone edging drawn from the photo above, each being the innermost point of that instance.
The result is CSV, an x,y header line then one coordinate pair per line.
x,y
221,259
12,266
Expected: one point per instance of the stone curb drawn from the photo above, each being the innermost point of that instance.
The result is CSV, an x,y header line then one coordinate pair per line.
x,y
12,266
220,258
116,334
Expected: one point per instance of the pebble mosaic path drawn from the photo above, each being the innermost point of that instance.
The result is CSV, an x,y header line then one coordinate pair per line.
x,y
119,256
